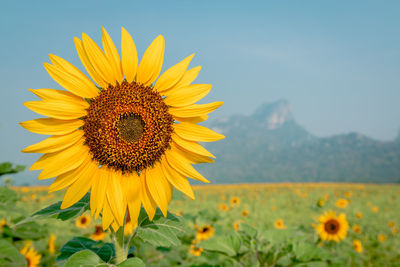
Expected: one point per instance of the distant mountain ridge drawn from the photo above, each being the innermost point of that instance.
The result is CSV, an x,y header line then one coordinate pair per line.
x,y
269,146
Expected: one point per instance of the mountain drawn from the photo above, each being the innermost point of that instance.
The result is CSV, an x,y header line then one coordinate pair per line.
x,y
270,146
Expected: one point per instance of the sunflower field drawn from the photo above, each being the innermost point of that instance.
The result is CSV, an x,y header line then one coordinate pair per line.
x,y
226,225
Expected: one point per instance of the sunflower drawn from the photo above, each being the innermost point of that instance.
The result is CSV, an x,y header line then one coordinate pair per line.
x,y
98,234
382,238
279,224
195,251
395,230
51,244
31,255
332,227
129,225
245,213
223,207
391,224
359,215
375,209
236,225
3,223
357,245
235,201
82,221
342,203
205,232
357,229
124,135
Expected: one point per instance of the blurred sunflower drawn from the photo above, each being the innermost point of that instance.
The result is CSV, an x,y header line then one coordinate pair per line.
x,y
279,224
382,238
98,234
31,255
129,225
357,245
82,221
332,227
235,201
223,207
359,215
391,224
51,244
141,131
395,230
357,229
245,213
195,251
342,203
3,223
205,232
321,203
236,225
375,209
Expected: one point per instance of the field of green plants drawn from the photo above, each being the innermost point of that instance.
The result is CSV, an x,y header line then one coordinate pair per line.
x,y
226,225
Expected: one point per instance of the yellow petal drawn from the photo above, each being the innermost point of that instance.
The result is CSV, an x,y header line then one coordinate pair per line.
x,y
54,164
182,165
107,215
98,60
187,95
112,55
81,186
57,109
188,77
177,179
172,75
133,196
89,87
59,95
147,200
192,119
159,187
129,56
115,197
194,110
191,146
68,81
68,178
98,194
50,126
194,132
88,66
190,156
151,63
55,143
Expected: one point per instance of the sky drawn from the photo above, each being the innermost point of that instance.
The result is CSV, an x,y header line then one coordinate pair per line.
x,y
336,62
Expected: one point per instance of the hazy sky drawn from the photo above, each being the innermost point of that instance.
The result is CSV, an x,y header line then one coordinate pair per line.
x,y
338,63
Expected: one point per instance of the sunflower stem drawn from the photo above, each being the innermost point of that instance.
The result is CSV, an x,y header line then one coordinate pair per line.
x,y
119,245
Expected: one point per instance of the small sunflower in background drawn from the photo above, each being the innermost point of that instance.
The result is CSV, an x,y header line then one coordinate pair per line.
x,y
357,245
223,207
125,133
245,213
342,203
236,225
375,209
129,225
357,229
332,227
395,230
3,223
98,234
195,251
205,232
279,224
235,201
82,221
359,215
31,255
382,238
391,224
52,243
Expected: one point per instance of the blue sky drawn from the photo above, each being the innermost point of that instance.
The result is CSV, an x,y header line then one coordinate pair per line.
x,y
337,62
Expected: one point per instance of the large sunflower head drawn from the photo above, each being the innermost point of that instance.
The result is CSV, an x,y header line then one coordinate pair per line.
x,y
332,227
123,133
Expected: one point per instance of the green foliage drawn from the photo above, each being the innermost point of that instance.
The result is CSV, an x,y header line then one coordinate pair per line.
x,y
228,244
55,210
84,258
105,251
132,262
25,230
161,231
10,256
7,168
8,197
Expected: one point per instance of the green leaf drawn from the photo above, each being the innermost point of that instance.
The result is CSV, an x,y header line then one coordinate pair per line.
x,y
228,244
105,251
132,262
6,168
307,252
10,256
161,231
7,197
64,214
84,258
26,230
248,230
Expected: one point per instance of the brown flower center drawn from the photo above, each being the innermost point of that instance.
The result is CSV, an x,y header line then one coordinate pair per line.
x,y
332,226
83,220
128,127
